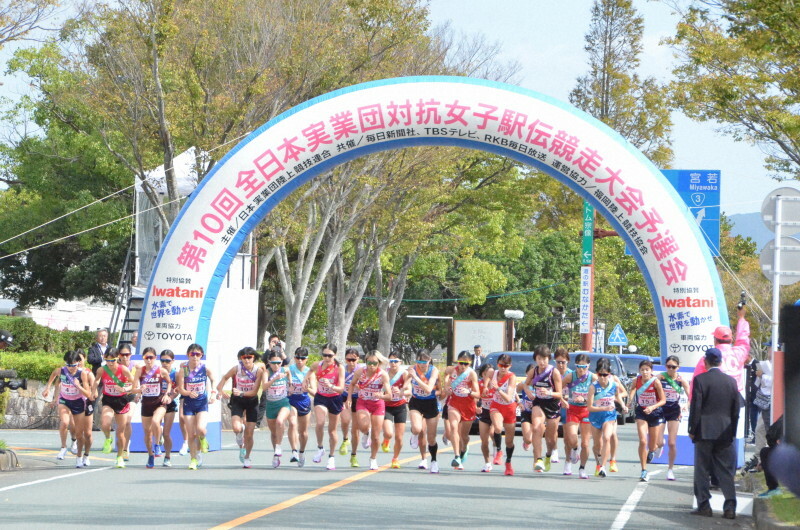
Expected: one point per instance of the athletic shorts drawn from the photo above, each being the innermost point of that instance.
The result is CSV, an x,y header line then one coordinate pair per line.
x,y
465,406
192,407
150,404
301,403
509,411
244,407
577,414
525,416
376,407
353,403
172,406
332,403
427,407
274,407
75,406
654,419
598,419
445,410
118,404
672,411
398,414
484,416
563,413
550,407
88,407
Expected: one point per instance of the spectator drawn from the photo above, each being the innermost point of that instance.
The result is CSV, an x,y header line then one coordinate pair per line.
x,y
134,342
98,350
477,357
735,354
713,418
773,437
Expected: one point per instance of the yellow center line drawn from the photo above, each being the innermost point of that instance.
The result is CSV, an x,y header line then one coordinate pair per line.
x,y
313,494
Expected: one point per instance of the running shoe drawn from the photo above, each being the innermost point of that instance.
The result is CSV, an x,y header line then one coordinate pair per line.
x,y
612,466
344,447
423,464
455,462
62,453
78,462
242,454
487,468
200,460
414,441
650,455
331,464
464,456
395,464
354,461
193,464
301,460
574,455
151,462
184,449
86,461
240,438
643,476
659,451
568,468
539,466
157,451
318,455
167,462
366,440
373,464
385,446
554,456
670,475
547,461
770,493
247,464
294,456
509,470
120,462
602,472
597,470
126,455
582,473
278,450
526,446
74,447
434,467
276,461
203,445
107,445
498,458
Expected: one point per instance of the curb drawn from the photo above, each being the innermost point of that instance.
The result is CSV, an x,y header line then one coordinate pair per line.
x,y
763,516
8,460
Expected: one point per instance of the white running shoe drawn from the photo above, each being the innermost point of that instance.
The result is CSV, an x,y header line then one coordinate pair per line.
x,y
74,447
247,464
487,468
278,450
554,456
301,460
582,473
435,467
318,455
240,439
366,440
423,464
574,455
62,453
526,446
414,441
78,462
373,464
670,475
276,461
184,449
86,461
331,464
568,468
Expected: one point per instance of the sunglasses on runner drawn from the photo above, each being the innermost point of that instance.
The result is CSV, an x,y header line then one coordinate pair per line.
x,y
501,365
72,365
166,361
149,357
195,354
248,357
372,363
328,355
671,366
124,354
301,357
562,362
394,360
275,362
422,362
465,363
111,360
603,375
352,359
584,366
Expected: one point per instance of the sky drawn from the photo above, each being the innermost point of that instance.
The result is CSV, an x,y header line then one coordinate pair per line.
x,y
547,38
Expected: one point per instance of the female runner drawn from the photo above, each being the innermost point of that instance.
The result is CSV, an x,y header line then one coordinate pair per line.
x,y
423,408
602,413
301,406
193,382
394,422
373,389
461,388
166,358
243,399
147,381
485,376
74,388
526,404
674,386
546,406
350,427
578,383
648,395
125,353
276,385
116,381
326,382
504,405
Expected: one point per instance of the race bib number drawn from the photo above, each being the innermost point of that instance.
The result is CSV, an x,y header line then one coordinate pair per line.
x,y
200,387
151,389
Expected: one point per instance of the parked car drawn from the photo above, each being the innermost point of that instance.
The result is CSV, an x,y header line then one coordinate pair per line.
x,y
631,362
618,369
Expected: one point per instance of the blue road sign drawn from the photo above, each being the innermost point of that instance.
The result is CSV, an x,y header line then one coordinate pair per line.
x,y
617,337
700,190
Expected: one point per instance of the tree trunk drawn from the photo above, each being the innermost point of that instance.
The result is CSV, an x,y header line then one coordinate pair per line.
x,y
389,305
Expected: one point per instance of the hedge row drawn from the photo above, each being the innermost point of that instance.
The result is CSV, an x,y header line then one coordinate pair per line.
x,y
35,365
30,336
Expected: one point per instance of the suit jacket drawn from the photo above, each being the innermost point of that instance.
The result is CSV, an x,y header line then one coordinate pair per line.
x,y
714,409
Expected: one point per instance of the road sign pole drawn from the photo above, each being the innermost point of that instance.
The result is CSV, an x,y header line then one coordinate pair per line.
x,y
776,272
587,269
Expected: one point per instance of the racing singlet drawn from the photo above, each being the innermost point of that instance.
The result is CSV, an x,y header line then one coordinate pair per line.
x,y
396,383
327,379
196,381
544,383
579,389
604,397
370,388
646,392
672,393
487,396
151,382
110,387
244,380
417,391
279,389
297,375
502,385
69,391
461,385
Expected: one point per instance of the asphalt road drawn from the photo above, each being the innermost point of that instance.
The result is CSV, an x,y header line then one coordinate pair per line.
x,y
47,493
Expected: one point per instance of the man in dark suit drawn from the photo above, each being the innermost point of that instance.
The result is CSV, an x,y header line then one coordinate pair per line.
x,y
713,418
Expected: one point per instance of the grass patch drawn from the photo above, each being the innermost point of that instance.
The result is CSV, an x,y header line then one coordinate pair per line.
x,y
786,508
3,444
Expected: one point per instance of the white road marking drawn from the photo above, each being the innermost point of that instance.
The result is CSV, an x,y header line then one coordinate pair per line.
x,y
630,505
7,488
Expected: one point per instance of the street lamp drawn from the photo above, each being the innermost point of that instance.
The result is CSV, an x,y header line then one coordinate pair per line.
x,y
511,315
